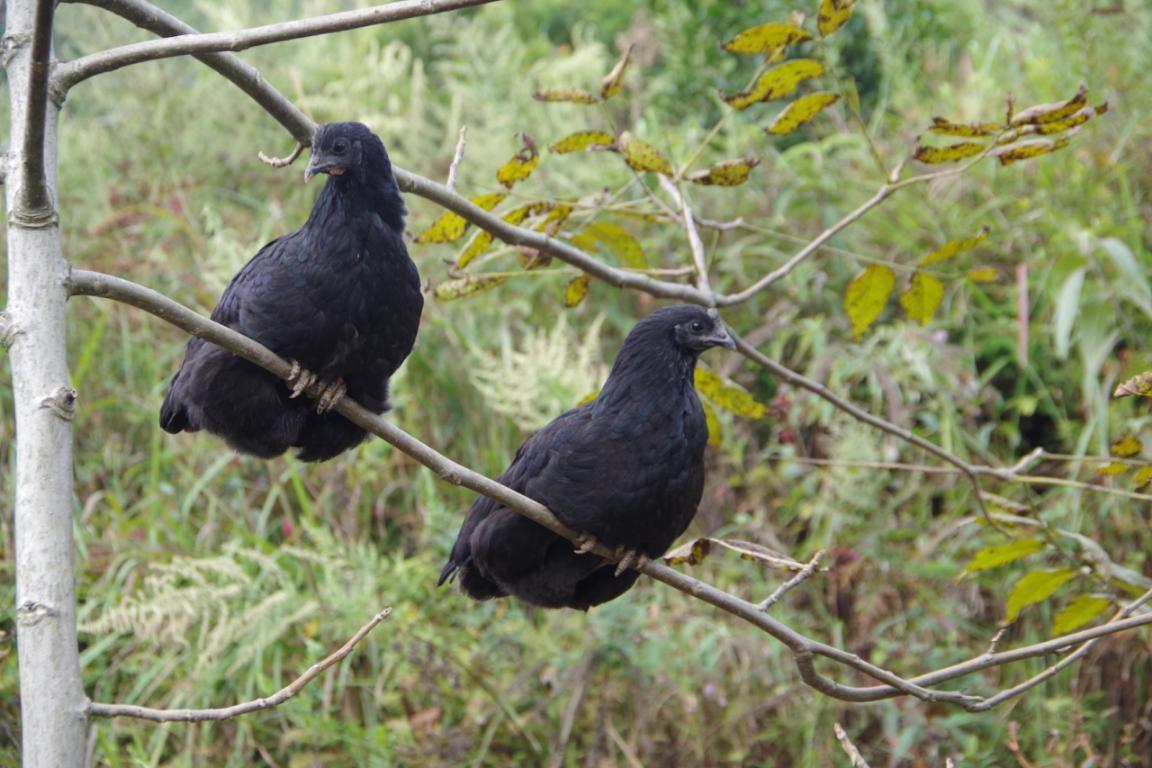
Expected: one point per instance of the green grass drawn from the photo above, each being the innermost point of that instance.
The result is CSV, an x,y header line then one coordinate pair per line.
x,y
206,579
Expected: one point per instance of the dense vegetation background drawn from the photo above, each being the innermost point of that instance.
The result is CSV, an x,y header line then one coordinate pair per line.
x,y
207,579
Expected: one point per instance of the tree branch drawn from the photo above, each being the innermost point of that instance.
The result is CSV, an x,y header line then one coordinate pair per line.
x,y
70,73
226,713
35,204
695,244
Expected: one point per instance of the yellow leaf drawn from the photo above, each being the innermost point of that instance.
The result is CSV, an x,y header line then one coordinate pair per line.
x,y
715,434
948,154
577,290
729,397
1002,554
1049,113
1139,385
776,83
1078,613
1142,477
833,15
521,166
766,37
982,275
585,241
866,296
1113,469
1033,588
801,111
619,242
572,95
1127,447
588,398
583,140
953,247
517,215
555,219
1026,150
642,156
479,243
490,200
614,80
463,286
311,628
728,173
690,553
946,127
451,226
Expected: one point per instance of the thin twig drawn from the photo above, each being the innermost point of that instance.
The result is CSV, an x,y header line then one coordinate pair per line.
x,y
695,244
282,162
854,755
70,73
803,575
225,713
457,158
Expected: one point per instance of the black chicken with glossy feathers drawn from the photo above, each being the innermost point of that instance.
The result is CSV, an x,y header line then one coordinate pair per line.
x,y
626,468
339,296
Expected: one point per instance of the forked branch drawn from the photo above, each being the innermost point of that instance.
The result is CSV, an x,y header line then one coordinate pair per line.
x,y
96,709
804,649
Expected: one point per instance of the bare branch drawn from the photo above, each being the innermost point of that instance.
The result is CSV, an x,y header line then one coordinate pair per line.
x,y
73,72
35,204
689,221
803,575
857,759
226,713
282,162
457,158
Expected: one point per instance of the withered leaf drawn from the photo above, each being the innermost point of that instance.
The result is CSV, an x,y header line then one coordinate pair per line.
x,y
727,173
776,83
801,111
765,38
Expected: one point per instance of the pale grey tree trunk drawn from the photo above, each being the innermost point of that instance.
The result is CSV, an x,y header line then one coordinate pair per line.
x,y
52,701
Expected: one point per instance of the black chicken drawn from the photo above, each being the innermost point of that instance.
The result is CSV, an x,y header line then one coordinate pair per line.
x,y
339,297
626,469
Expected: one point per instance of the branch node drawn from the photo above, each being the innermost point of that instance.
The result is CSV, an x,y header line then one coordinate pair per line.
x,y
11,44
281,162
35,218
9,330
62,402
30,613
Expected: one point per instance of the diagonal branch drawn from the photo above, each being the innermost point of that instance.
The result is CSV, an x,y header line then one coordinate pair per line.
x,y
225,713
73,72
35,206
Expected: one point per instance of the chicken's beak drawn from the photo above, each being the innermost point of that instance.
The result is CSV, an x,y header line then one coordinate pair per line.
x,y
321,164
721,338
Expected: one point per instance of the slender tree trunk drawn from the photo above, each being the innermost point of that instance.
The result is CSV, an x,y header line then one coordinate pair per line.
x,y
52,701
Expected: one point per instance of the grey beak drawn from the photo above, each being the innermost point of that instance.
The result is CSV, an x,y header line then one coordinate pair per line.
x,y
312,169
721,338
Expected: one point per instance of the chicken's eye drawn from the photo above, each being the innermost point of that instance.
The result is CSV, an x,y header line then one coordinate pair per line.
x,y
340,147
697,326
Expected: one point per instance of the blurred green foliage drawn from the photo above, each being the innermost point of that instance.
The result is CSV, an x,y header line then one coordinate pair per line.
x,y
207,579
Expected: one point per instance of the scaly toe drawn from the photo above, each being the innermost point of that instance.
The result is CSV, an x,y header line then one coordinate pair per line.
x,y
300,379
631,559
332,393
585,542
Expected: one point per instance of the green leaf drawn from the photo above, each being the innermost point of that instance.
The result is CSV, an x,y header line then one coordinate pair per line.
x,y
922,298
617,241
766,38
866,296
1033,588
1078,613
1067,308
729,397
1002,554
